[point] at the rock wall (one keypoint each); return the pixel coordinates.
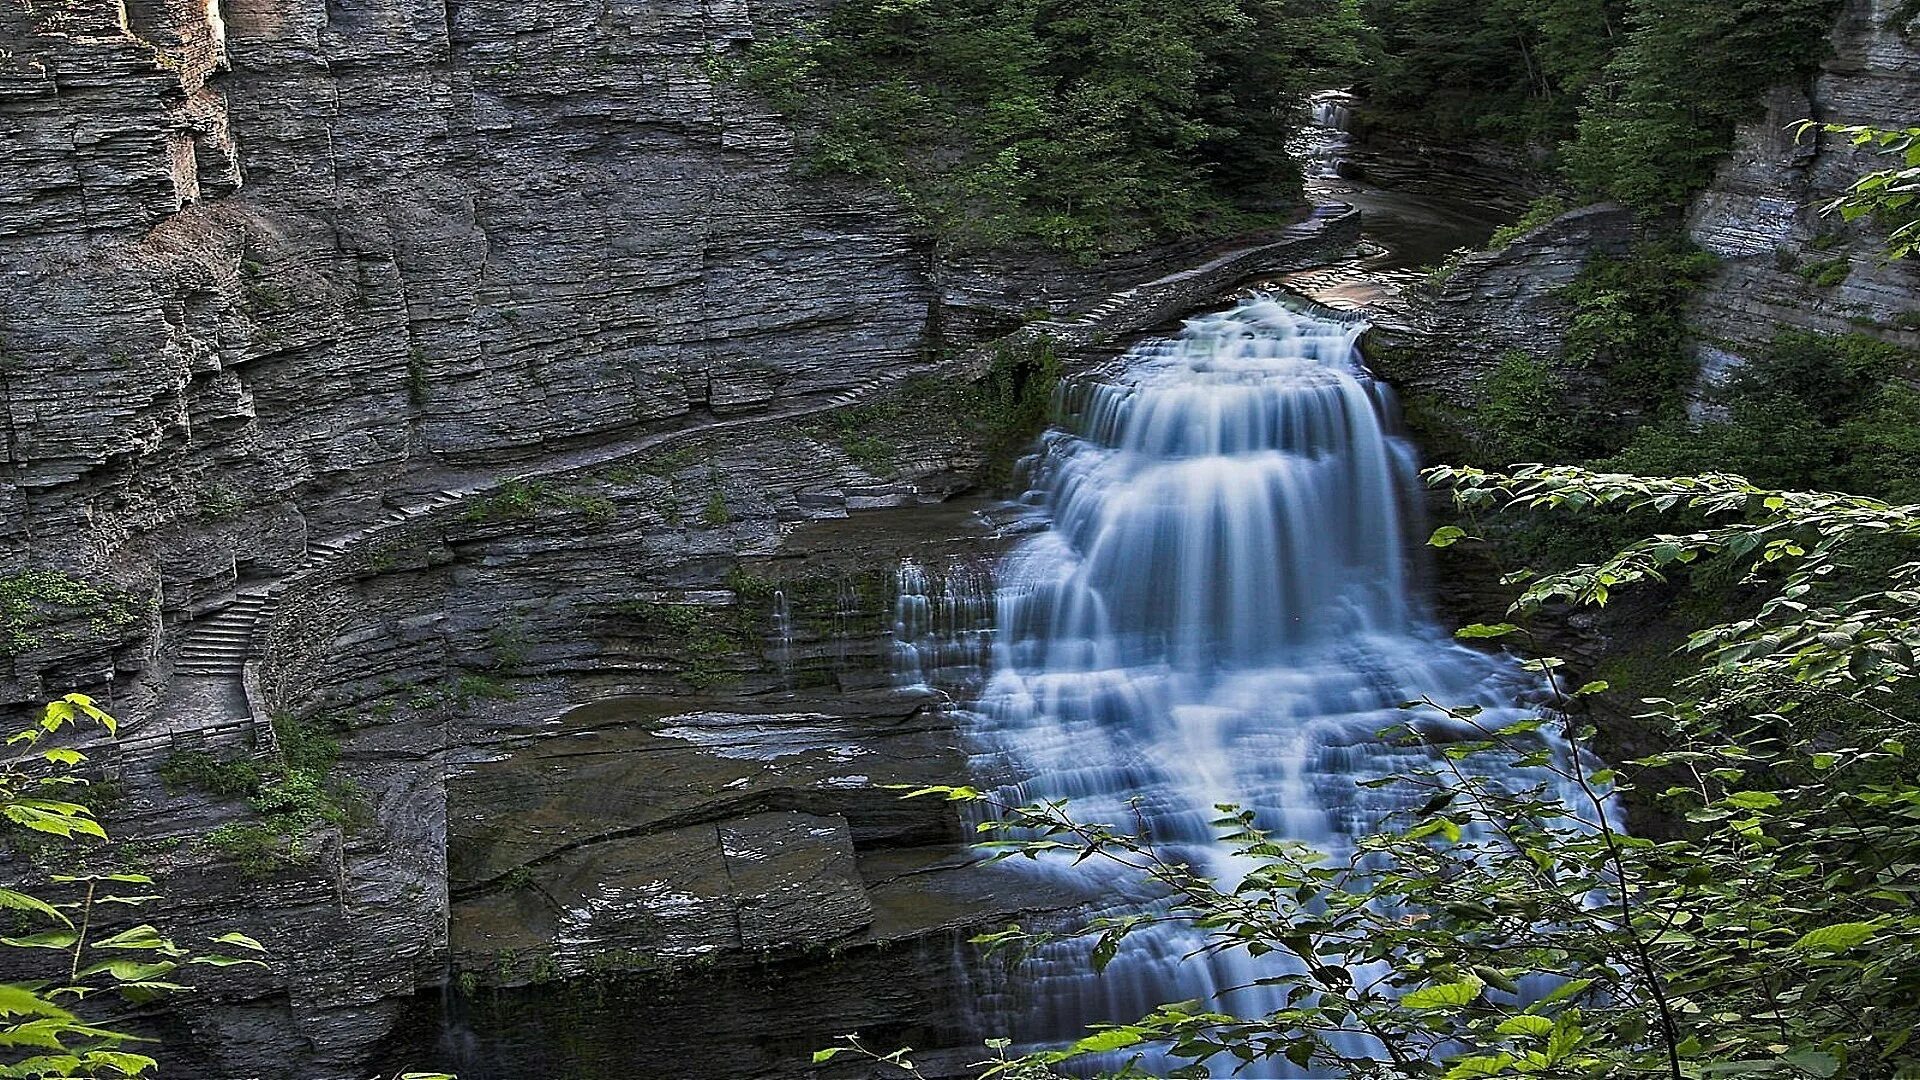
(1784, 263)
(421, 373)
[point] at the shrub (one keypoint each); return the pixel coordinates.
(1541, 212)
(293, 792)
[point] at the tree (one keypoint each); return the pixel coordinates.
(1503, 928)
(1085, 126)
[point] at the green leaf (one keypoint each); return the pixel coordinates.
(1101, 1042)
(17, 1000)
(1817, 1062)
(123, 1063)
(1447, 536)
(1481, 1065)
(1570, 989)
(241, 940)
(828, 1054)
(130, 970)
(19, 901)
(143, 936)
(1754, 800)
(1444, 996)
(52, 939)
(1535, 1026)
(1481, 631)
(225, 961)
(1837, 938)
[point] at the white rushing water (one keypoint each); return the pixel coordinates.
(1221, 609)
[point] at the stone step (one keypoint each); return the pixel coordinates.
(219, 640)
(216, 646)
(219, 650)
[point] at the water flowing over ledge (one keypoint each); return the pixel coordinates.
(1217, 605)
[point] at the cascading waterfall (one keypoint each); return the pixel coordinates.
(942, 625)
(1218, 611)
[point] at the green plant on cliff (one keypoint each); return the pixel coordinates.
(1628, 362)
(293, 792)
(1540, 212)
(1809, 410)
(1501, 923)
(79, 943)
(1001, 412)
(1087, 127)
(42, 606)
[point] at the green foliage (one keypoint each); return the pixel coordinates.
(88, 950)
(701, 639)
(217, 502)
(522, 500)
(39, 606)
(716, 515)
(1687, 71)
(1001, 412)
(515, 500)
(1811, 411)
(1890, 195)
(1088, 127)
(416, 377)
(226, 778)
(293, 792)
(1511, 70)
(1494, 928)
(1825, 273)
(1629, 325)
(1628, 361)
(1521, 414)
(1540, 212)
(1640, 96)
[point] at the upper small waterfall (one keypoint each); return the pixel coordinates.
(1218, 609)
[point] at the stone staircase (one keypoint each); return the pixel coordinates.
(217, 645)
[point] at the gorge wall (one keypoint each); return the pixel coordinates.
(1782, 263)
(384, 381)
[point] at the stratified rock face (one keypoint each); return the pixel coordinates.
(425, 371)
(1785, 264)
(467, 234)
(1443, 341)
(272, 268)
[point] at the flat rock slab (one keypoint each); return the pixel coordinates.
(658, 901)
(628, 840)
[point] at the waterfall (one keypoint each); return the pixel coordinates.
(942, 623)
(1322, 142)
(1215, 607)
(783, 637)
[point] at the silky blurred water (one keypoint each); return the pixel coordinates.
(1219, 609)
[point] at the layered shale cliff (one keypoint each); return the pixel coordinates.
(472, 459)
(1782, 263)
